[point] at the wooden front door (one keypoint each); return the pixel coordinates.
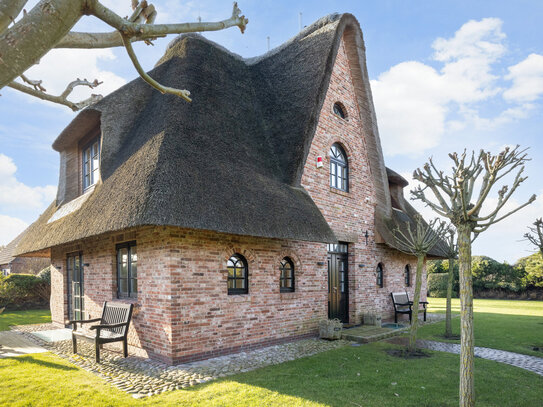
(74, 269)
(338, 304)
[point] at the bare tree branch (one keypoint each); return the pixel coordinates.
(185, 94)
(62, 98)
(536, 234)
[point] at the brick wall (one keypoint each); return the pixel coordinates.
(183, 308)
(351, 213)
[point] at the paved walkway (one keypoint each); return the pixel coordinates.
(531, 363)
(15, 344)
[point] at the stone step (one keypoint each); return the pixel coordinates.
(366, 334)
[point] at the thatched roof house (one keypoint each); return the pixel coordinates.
(235, 168)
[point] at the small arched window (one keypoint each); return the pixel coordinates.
(339, 171)
(339, 110)
(238, 280)
(286, 278)
(380, 277)
(407, 275)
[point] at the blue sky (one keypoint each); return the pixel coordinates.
(446, 75)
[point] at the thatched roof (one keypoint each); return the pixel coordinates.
(7, 254)
(230, 161)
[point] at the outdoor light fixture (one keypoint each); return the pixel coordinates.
(320, 263)
(366, 235)
(361, 266)
(86, 264)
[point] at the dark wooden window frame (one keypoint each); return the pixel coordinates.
(380, 275)
(339, 168)
(130, 293)
(286, 265)
(339, 110)
(407, 275)
(91, 154)
(239, 264)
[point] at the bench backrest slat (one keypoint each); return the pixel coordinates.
(400, 298)
(117, 313)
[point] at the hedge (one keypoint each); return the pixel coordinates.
(24, 290)
(437, 285)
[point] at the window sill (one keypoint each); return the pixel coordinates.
(340, 192)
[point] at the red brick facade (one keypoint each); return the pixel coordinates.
(183, 311)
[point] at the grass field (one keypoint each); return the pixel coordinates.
(349, 376)
(516, 326)
(9, 318)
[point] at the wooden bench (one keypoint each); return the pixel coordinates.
(112, 327)
(402, 305)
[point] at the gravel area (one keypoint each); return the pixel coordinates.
(143, 377)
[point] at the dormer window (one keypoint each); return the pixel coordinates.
(91, 164)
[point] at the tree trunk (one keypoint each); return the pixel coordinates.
(23, 44)
(466, 314)
(448, 327)
(416, 298)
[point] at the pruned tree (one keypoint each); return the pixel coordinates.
(535, 236)
(47, 25)
(452, 254)
(418, 240)
(454, 197)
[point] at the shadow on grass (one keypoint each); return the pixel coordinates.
(31, 360)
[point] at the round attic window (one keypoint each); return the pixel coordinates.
(339, 110)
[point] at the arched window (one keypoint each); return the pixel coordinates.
(238, 281)
(380, 277)
(407, 275)
(339, 171)
(286, 279)
(339, 110)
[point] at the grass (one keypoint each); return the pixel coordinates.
(514, 326)
(9, 318)
(348, 376)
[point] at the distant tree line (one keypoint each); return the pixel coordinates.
(491, 278)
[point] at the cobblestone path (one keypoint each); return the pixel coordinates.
(531, 363)
(144, 377)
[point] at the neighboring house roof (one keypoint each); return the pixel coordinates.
(230, 161)
(7, 254)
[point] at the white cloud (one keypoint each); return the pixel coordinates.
(417, 104)
(61, 66)
(9, 228)
(16, 195)
(527, 77)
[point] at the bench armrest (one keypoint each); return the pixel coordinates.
(423, 302)
(74, 322)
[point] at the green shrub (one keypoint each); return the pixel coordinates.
(45, 274)
(20, 290)
(437, 285)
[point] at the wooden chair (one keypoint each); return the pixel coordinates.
(112, 327)
(402, 305)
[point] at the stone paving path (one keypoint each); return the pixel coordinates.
(143, 377)
(527, 362)
(15, 344)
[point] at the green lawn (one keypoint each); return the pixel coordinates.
(515, 326)
(8, 318)
(349, 376)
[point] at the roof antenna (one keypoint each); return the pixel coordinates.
(268, 38)
(300, 20)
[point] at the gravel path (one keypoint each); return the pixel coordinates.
(531, 363)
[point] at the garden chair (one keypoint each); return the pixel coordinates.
(402, 305)
(112, 327)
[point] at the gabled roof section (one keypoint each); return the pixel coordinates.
(7, 254)
(230, 161)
